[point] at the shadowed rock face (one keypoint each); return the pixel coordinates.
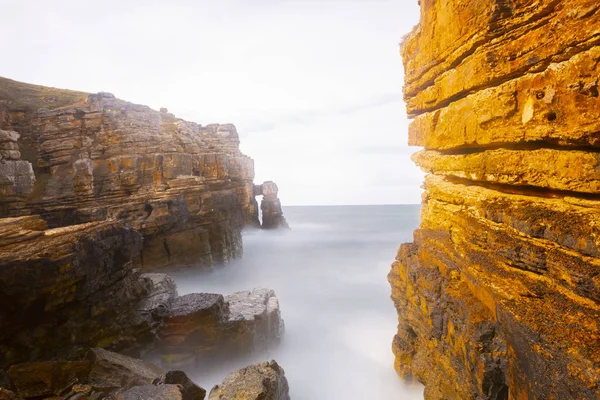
(185, 187)
(70, 288)
(498, 296)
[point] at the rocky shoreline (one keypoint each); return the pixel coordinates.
(97, 196)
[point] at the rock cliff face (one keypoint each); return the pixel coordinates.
(186, 188)
(94, 190)
(499, 295)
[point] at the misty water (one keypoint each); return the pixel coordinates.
(330, 275)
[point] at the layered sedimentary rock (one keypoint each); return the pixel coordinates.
(16, 175)
(185, 187)
(270, 206)
(499, 296)
(70, 288)
(67, 289)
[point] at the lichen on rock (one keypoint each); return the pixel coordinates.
(498, 295)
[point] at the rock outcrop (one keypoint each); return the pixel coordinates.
(186, 188)
(204, 326)
(264, 381)
(270, 205)
(66, 289)
(499, 295)
(93, 192)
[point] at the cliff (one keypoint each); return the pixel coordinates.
(76, 158)
(95, 190)
(498, 296)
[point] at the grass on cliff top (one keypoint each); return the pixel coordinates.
(27, 96)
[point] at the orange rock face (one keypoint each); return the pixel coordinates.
(498, 297)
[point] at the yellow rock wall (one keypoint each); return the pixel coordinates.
(498, 297)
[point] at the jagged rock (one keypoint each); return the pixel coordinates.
(190, 391)
(112, 371)
(203, 325)
(186, 188)
(497, 297)
(44, 379)
(152, 392)
(272, 215)
(264, 381)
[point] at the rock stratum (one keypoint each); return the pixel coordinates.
(498, 297)
(77, 158)
(97, 196)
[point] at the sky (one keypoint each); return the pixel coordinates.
(314, 87)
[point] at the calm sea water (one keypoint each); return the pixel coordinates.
(330, 275)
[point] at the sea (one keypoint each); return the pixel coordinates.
(329, 272)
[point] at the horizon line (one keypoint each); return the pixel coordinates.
(350, 205)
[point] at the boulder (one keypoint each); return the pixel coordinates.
(112, 371)
(259, 310)
(203, 325)
(263, 381)
(152, 392)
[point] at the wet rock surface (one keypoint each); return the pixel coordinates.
(264, 381)
(497, 297)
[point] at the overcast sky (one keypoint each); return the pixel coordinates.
(313, 86)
